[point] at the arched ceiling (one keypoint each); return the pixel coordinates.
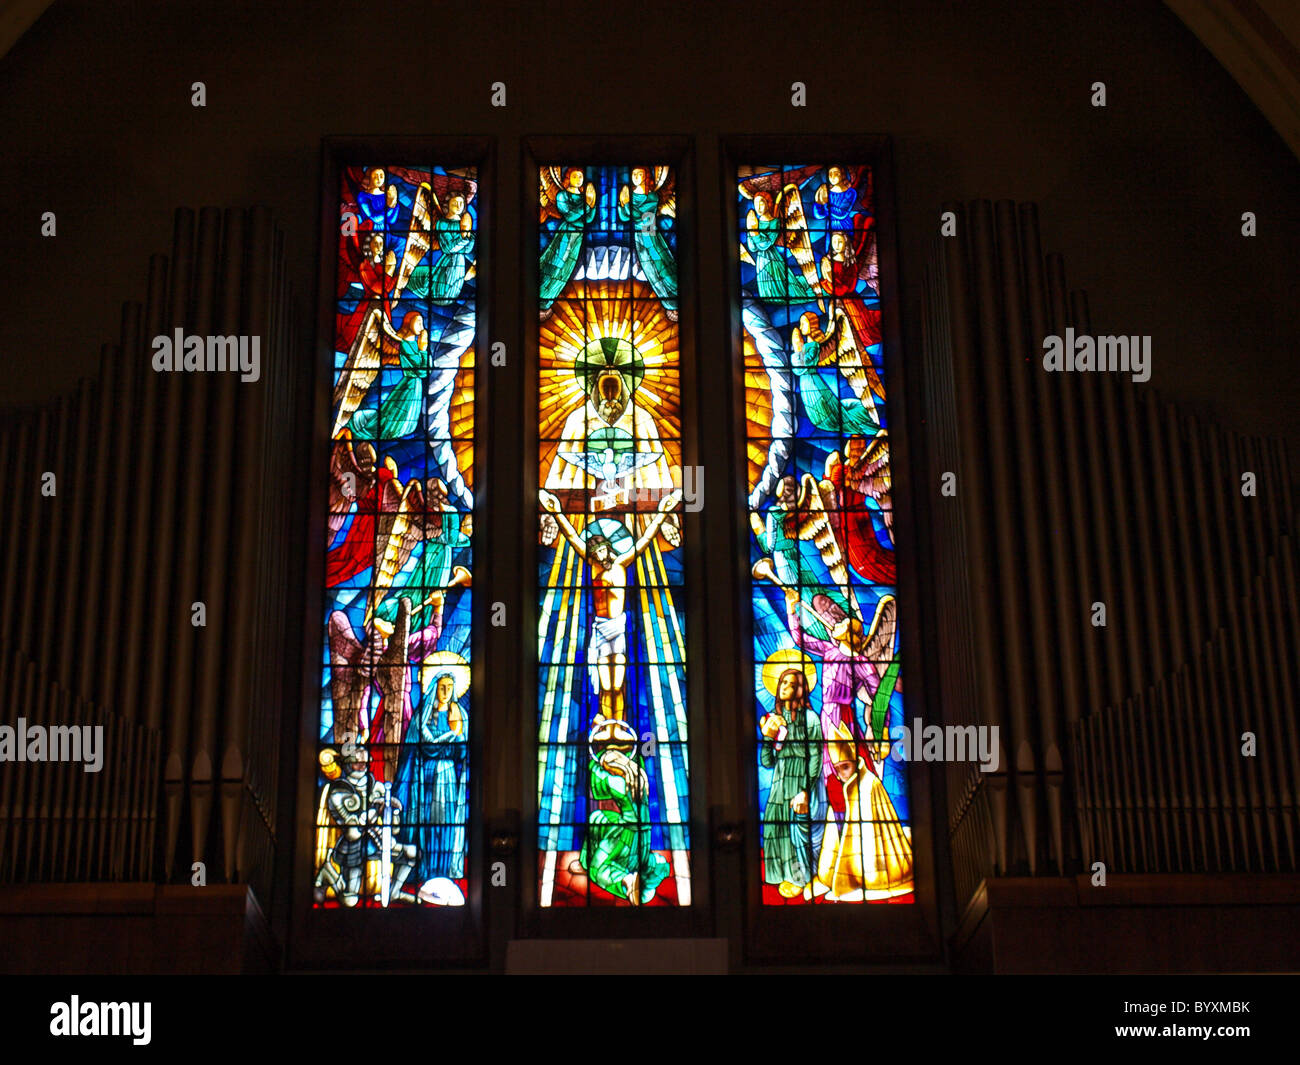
(1258, 43)
(16, 16)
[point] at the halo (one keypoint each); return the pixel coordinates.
(784, 658)
(617, 353)
(440, 662)
(613, 531)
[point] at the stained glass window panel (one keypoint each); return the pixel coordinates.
(612, 782)
(827, 691)
(393, 782)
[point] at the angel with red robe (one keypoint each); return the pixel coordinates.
(861, 483)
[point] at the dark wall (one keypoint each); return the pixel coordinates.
(1144, 197)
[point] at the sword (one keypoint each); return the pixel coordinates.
(386, 851)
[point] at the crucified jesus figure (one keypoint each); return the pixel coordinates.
(607, 651)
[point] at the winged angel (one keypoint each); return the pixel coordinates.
(797, 533)
(563, 198)
(775, 223)
(651, 196)
(845, 201)
(404, 611)
(815, 357)
(440, 220)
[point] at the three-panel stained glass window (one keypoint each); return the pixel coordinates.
(612, 778)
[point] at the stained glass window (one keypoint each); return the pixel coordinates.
(393, 784)
(612, 782)
(833, 803)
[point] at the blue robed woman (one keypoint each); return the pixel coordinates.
(432, 782)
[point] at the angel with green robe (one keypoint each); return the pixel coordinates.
(399, 411)
(453, 235)
(425, 521)
(652, 194)
(574, 207)
(775, 223)
(818, 360)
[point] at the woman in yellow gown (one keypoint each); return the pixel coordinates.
(870, 855)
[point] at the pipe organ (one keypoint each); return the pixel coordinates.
(1118, 576)
(144, 581)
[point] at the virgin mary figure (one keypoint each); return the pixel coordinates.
(431, 784)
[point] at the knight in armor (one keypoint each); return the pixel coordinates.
(368, 819)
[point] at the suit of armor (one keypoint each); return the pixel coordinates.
(357, 804)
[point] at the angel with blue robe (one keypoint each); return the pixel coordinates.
(841, 197)
(376, 205)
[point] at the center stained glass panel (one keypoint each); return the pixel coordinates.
(612, 778)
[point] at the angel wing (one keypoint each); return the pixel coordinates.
(868, 261)
(745, 257)
(860, 179)
(816, 506)
(421, 237)
(795, 237)
(360, 369)
(552, 184)
(399, 527)
(871, 476)
(772, 180)
(352, 477)
(857, 370)
(665, 183)
(393, 679)
(350, 675)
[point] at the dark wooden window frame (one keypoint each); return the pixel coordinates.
(867, 933)
(625, 922)
(414, 936)
(723, 807)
